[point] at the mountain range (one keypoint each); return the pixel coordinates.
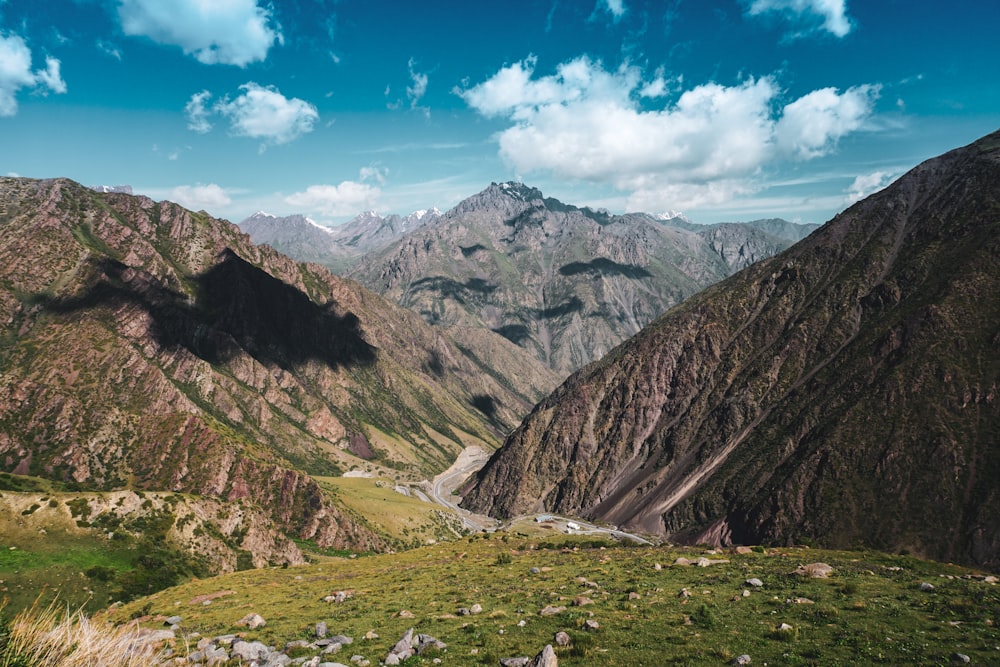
(566, 283)
(145, 346)
(843, 392)
(337, 248)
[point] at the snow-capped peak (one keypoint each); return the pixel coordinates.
(672, 215)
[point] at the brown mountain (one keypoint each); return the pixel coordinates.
(145, 346)
(566, 283)
(844, 391)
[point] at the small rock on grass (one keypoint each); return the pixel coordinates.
(741, 660)
(562, 639)
(252, 621)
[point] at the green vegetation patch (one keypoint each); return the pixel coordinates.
(872, 609)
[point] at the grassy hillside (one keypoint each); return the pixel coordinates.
(872, 608)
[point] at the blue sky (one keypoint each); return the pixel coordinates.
(723, 110)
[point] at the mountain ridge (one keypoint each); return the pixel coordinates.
(564, 282)
(146, 346)
(746, 414)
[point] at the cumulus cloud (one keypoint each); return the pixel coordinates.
(586, 123)
(332, 201)
(16, 73)
(811, 125)
(233, 32)
(867, 184)
(264, 113)
(201, 197)
(832, 13)
(260, 112)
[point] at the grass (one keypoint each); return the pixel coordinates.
(407, 521)
(52, 637)
(871, 610)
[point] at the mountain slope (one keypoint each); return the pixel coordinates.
(146, 346)
(843, 391)
(566, 283)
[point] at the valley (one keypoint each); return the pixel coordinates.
(193, 426)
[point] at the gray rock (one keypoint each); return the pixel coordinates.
(591, 624)
(249, 650)
(405, 643)
(215, 656)
(755, 582)
(476, 609)
(926, 587)
(343, 640)
(174, 620)
(547, 658)
(520, 661)
(561, 639)
(535, 570)
(550, 610)
(960, 659)
(320, 630)
(741, 660)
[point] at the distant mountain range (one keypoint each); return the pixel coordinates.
(844, 391)
(145, 346)
(566, 283)
(337, 248)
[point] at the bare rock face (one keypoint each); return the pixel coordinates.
(568, 284)
(146, 346)
(844, 390)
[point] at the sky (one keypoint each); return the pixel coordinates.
(720, 109)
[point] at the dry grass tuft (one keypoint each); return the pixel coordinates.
(53, 637)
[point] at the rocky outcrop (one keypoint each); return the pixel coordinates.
(146, 346)
(843, 391)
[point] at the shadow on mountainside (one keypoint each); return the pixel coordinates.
(237, 308)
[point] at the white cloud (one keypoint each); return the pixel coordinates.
(261, 112)
(332, 201)
(198, 113)
(264, 113)
(15, 73)
(419, 87)
(867, 184)
(201, 197)
(710, 145)
(228, 32)
(811, 125)
(832, 12)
